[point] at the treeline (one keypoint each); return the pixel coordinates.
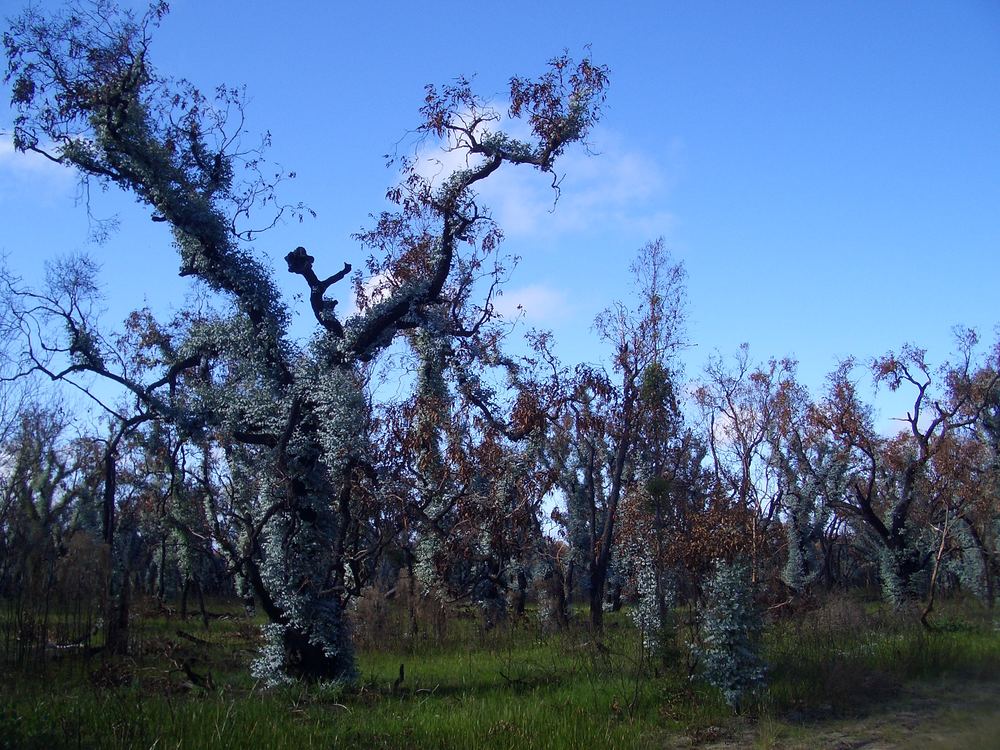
(236, 458)
(604, 485)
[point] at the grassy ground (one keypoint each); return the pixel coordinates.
(847, 676)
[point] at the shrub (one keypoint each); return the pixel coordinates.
(729, 653)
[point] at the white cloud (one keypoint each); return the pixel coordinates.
(375, 289)
(436, 166)
(435, 162)
(31, 171)
(615, 185)
(538, 303)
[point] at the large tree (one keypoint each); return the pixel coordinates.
(293, 420)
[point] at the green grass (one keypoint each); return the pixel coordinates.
(508, 688)
(822, 670)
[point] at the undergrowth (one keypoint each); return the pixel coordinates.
(510, 687)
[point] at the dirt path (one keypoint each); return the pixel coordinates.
(948, 715)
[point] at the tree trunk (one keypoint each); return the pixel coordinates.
(116, 639)
(561, 604)
(929, 607)
(411, 595)
(597, 580)
(201, 604)
(296, 582)
(570, 580)
(521, 595)
(305, 660)
(116, 628)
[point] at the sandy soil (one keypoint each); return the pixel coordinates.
(948, 715)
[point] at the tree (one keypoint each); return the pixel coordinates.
(466, 452)
(982, 521)
(813, 477)
(597, 467)
(293, 420)
(900, 486)
(743, 405)
(731, 629)
(657, 510)
(48, 498)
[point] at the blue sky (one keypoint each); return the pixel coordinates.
(829, 173)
